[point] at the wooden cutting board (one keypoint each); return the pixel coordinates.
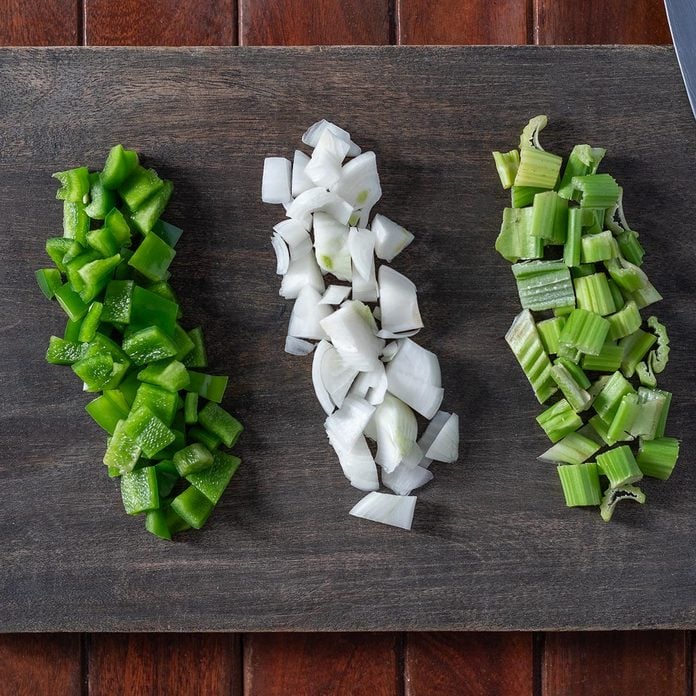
(492, 546)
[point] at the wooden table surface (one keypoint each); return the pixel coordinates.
(656, 663)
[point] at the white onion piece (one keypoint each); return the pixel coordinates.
(398, 302)
(396, 429)
(300, 181)
(417, 361)
(428, 437)
(324, 168)
(364, 217)
(331, 246)
(313, 133)
(336, 376)
(395, 510)
(320, 199)
(359, 466)
(371, 386)
(345, 425)
(366, 289)
(298, 346)
(370, 431)
(377, 314)
(335, 294)
(275, 184)
(305, 219)
(405, 479)
(282, 254)
(423, 397)
(301, 272)
(351, 330)
(319, 389)
(361, 245)
(390, 351)
(414, 456)
(295, 235)
(445, 447)
(307, 314)
(382, 333)
(359, 182)
(390, 238)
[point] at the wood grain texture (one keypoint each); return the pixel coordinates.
(492, 546)
(620, 664)
(456, 22)
(469, 664)
(312, 664)
(40, 665)
(44, 23)
(601, 22)
(160, 23)
(160, 665)
(313, 22)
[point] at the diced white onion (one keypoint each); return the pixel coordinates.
(335, 294)
(423, 397)
(301, 272)
(428, 437)
(398, 302)
(371, 386)
(361, 245)
(395, 510)
(300, 181)
(282, 254)
(414, 456)
(337, 376)
(307, 314)
(275, 185)
(295, 236)
(320, 199)
(405, 479)
(359, 183)
(359, 466)
(324, 168)
(345, 425)
(366, 289)
(313, 133)
(390, 238)
(331, 246)
(383, 333)
(298, 346)
(396, 429)
(319, 389)
(417, 361)
(390, 351)
(445, 447)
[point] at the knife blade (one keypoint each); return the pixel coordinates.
(681, 15)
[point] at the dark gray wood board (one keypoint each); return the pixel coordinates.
(492, 547)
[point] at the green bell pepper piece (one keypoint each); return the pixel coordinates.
(179, 442)
(193, 507)
(167, 476)
(120, 164)
(103, 241)
(148, 213)
(95, 369)
(75, 221)
(96, 275)
(213, 481)
(152, 257)
(116, 223)
(211, 387)
(139, 186)
(118, 301)
(110, 346)
(156, 523)
(122, 451)
(205, 437)
(90, 322)
(195, 457)
(139, 490)
(183, 342)
(191, 408)
(62, 352)
(197, 356)
(74, 265)
(148, 431)
(160, 401)
(129, 388)
(218, 421)
(168, 374)
(71, 302)
(174, 522)
(102, 199)
(117, 374)
(49, 280)
(164, 290)
(107, 410)
(72, 330)
(167, 232)
(56, 248)
(74, 185)
(74, 250)
(149, 345)
(151, 309)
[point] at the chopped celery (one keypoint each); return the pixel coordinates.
(538, 168)
(572, 250)
(582, 160)
(613, 495)
(597, 190)
(657, 359)
(550, 217)
(543, 284)
(624, 322)
(631, 249)
(507, 163)
(574, 448)
(580, 483)
(657, 458)
(593, 294)
(585, 331)
(522, 196)
(608, 360)
(549, 332)
(619, 466)
(624, 418)
(515, 240)
(559, 420)
(607, 401)
(651, 403)
(575, 395)
(598, 247)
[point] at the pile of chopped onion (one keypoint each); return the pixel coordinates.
(369, 376)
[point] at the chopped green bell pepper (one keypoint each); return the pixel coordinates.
(195, 457)
(74, 185)
(148, 431)
(218, 421)
(184, 344)
(116, 223)
(71, 302)
(191, 407)
(156, 523)
(49, 280)
(75, 221)
(120, 164)
(56, 248)
(139, 490)
(103, 241)
(168, 374)
(149, 345)
(193, 507)
(160, 401)
(152, 257)
(90, 322)
(151, 309)
(96, 275)
(123, 451)
(118, 301)
(197, 356)
(211, 387)
(148, 213)
(102, 199)
(205, 437)
(139, 186)
(107, 410)
(213, 481)
(62, 352)
(167, 476)
(168, 232)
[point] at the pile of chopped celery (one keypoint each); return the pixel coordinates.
(369, 376)
(580, 335)
(123, 339)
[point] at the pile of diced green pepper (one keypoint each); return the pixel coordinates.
(123, 339)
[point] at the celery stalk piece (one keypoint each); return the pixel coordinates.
(619, 466)
(613, 495)
(572, 250)
(549, 332)
(592, 220)
(597, 190)
(529, 137)
(619, 300)
(607, 401)
(538, 168)
(635, 347)
(574, 448)
(625, 416)
(598, 247)
(660, 429)
(515, 240)
(593, 294)
(575, 370)
(550, 217)
(584, 269)
(651, 403)
(631, 249)
(657, 458)
(580, 484)
(524, 341)
(559, 420)
(608, 360)
(625, 322)
(507, 163)
(563, 311)
(602, 430)
(582, 160)
(522, 196)
(585, 331)
(575, 395)
(611, 223)
(657, 359)
(543, 284)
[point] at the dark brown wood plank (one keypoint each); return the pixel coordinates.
(160, 23)
(40, 665)
(163, 664)
(469, 664)
(620, 664)
(313, 22)
(456, 22)
(44, 23)
(314, 664)
(601, 22)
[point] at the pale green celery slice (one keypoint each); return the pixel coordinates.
(611, 223)
(549, 332)
(599, 384)
(576, 396)
(559, 420)
(597, 190)
(530, 133)
(625, 416)
(613, 495)
(575, 370)
(521, 196)
(598, 247)
(574, 448)
(607, 401)
(619, 300)
(657, 458)
(631, 249)
(580, 484)
(602, 430)
(507, 163)
(635, 347)
(632, 281)
(538, 168)
(550, 217)
(592, 220)
(658, 358)
(582, 160)
(619, 466)
(515, 241)
(524, 341)
(646, 295)
(543, 284)
(608, 360)
(624, 322)
(584, 269)
(572, 250)
(651, 403)
(660, 430)
(593, 294)
(585, 331)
